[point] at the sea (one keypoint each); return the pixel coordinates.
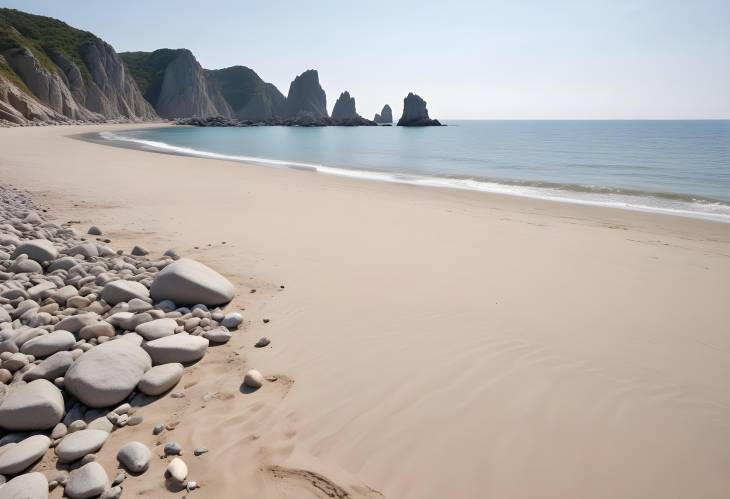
(678, 167)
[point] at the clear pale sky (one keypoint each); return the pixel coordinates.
(468, 59)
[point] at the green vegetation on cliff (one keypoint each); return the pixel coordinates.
(43, 36)
(148, 70)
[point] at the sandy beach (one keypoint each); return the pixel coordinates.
(428, 343)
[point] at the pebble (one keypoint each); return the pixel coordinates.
(94, 231)
(112, 493)
(159, 428)
(74, 446)
(119, 478)
(253, 379)
(172, 449)
(199, 451)
(90, 480)
(28, 486)
(262, 342)
(18, 457)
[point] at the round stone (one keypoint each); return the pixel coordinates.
(43, 346)
(253, 379)
(160, 378)
(37, 405)
(76, 445)
(90, 480)
(20, 456)
(187, 282)
(123, 290)
(158, 328)
(181, 347)
(177, 470)
(134, 456)
(28, 486)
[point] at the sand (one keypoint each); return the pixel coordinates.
(429, 343)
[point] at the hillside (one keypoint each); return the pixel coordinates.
(250, 97)
(50, 71)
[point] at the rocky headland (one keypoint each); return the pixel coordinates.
(89, 335)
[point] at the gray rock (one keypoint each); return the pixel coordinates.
(217, 335)
(107, 374)
(59, 431)
(232, 320)
(119, 478)
(15, 362)
(187, 282)
(101, 423)
(21, 455)
(90, 480)
(76, 445)
(385, 116)
(123, 290)
(134, 457)
(139, 251)
(75, 323)
(160, 379)
(29, 486)
(181, 348)
(262, 342)
(172, 449)
(43, 346)
(37, 405)
(94, 231)
(159, 428)
(306, 97)
(97, 330)
(112, 493)
(155, 329)
(199, 451)
(344, 107)
(39, 250)
(25, 266)
(51, 368)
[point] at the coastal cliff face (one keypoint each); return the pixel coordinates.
(176, 85)
(52, 72)
(250, 97)
(415, 112)
(345, 107)
(306, 97)
(385, 116)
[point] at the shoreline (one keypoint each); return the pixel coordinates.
(687, 206)
(438, 343)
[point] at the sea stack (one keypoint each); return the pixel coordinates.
(415, 112)
(306, 97)
(345, 107)
(385, 116)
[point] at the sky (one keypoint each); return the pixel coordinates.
(480, 59)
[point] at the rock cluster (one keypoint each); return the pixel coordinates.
(85, 333)
(415, 112)
(303, 121)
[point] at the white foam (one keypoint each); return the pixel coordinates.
(707, 211)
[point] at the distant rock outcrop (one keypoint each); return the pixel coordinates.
(415, 112)
(385, 116)
(52, 72)
(345, 107)
(250, 97)
(306, 97)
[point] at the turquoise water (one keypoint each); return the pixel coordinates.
(679, 167)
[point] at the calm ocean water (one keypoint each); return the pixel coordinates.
(679, 167)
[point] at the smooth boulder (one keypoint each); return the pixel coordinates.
(107, 374)
(40, 250)
(48, 344)
(90, 480)
(134, 457)
(29, 486)
(187, 282)
(158, 328)
(76, 445)
(51, 368)
(37, 405)
(122, 290)
(181, 348)
(21, 455)
(160, 378)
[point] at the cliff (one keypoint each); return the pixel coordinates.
(385, 116)
(52, 72)
(345, 107)
(176, 85)
(415, 112)
(306, 97)
(250, 97)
